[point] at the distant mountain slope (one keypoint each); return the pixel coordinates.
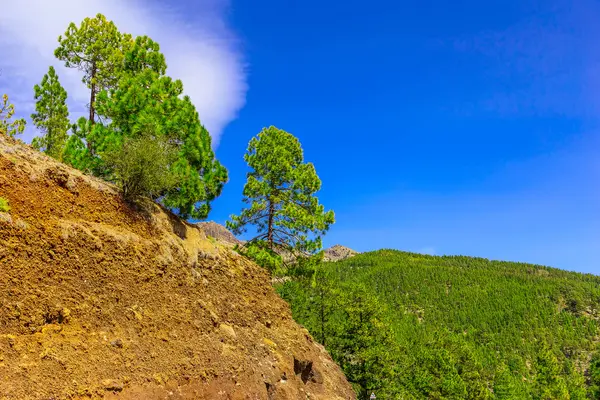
(338, 252)
(463, 327)
(100, 301)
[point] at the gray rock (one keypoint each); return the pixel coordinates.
(338, 252)
(219, 232)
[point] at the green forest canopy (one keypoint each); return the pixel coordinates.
(461, 327)
(133, 103)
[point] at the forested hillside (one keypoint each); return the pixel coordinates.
(414, 326)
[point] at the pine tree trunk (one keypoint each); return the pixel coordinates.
(364, 381)
(50, 128)
(322, 316)
(270, 231)
(92, 100)
(93, 94)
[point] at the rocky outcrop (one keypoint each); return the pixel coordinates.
(222, 235)
(99, 301)
(217, 231)
(338, 252)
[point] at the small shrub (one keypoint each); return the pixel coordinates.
(142, 167)
(4, 207)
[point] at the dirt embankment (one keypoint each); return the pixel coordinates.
(97, 300)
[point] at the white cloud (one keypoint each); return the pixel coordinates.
(199, 47)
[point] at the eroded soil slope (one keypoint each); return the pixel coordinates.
(97, 300)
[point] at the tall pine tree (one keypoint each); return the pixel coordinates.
(136, 103)
(96, 47)
(594, 376)
(280, 193)
(506, 386)
(549, 382)
(146, 103)
(51, 116)
(362, 343)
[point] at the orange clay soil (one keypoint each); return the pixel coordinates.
(100, 301)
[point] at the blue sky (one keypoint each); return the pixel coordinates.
(441, 127)
(461, 127)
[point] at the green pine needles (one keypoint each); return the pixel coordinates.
(51, 116)
(138, 116)
(8, 126)
(423, 327)
(95, 47)
(280, 194)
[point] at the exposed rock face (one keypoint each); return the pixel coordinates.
(224, 236)
(218, 232)
(98, 301)
(338, 252)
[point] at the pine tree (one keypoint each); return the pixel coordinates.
(323, 297)
(594, 377)
(147, 103)
(51, 116)
(362, 343)
(280, 193)
(505, 385)
(96, 47)
(7, 125)
(76, 153)
(137, 102)
(549, 384)
(575, 381)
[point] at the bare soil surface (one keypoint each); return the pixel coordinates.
(98, 300)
